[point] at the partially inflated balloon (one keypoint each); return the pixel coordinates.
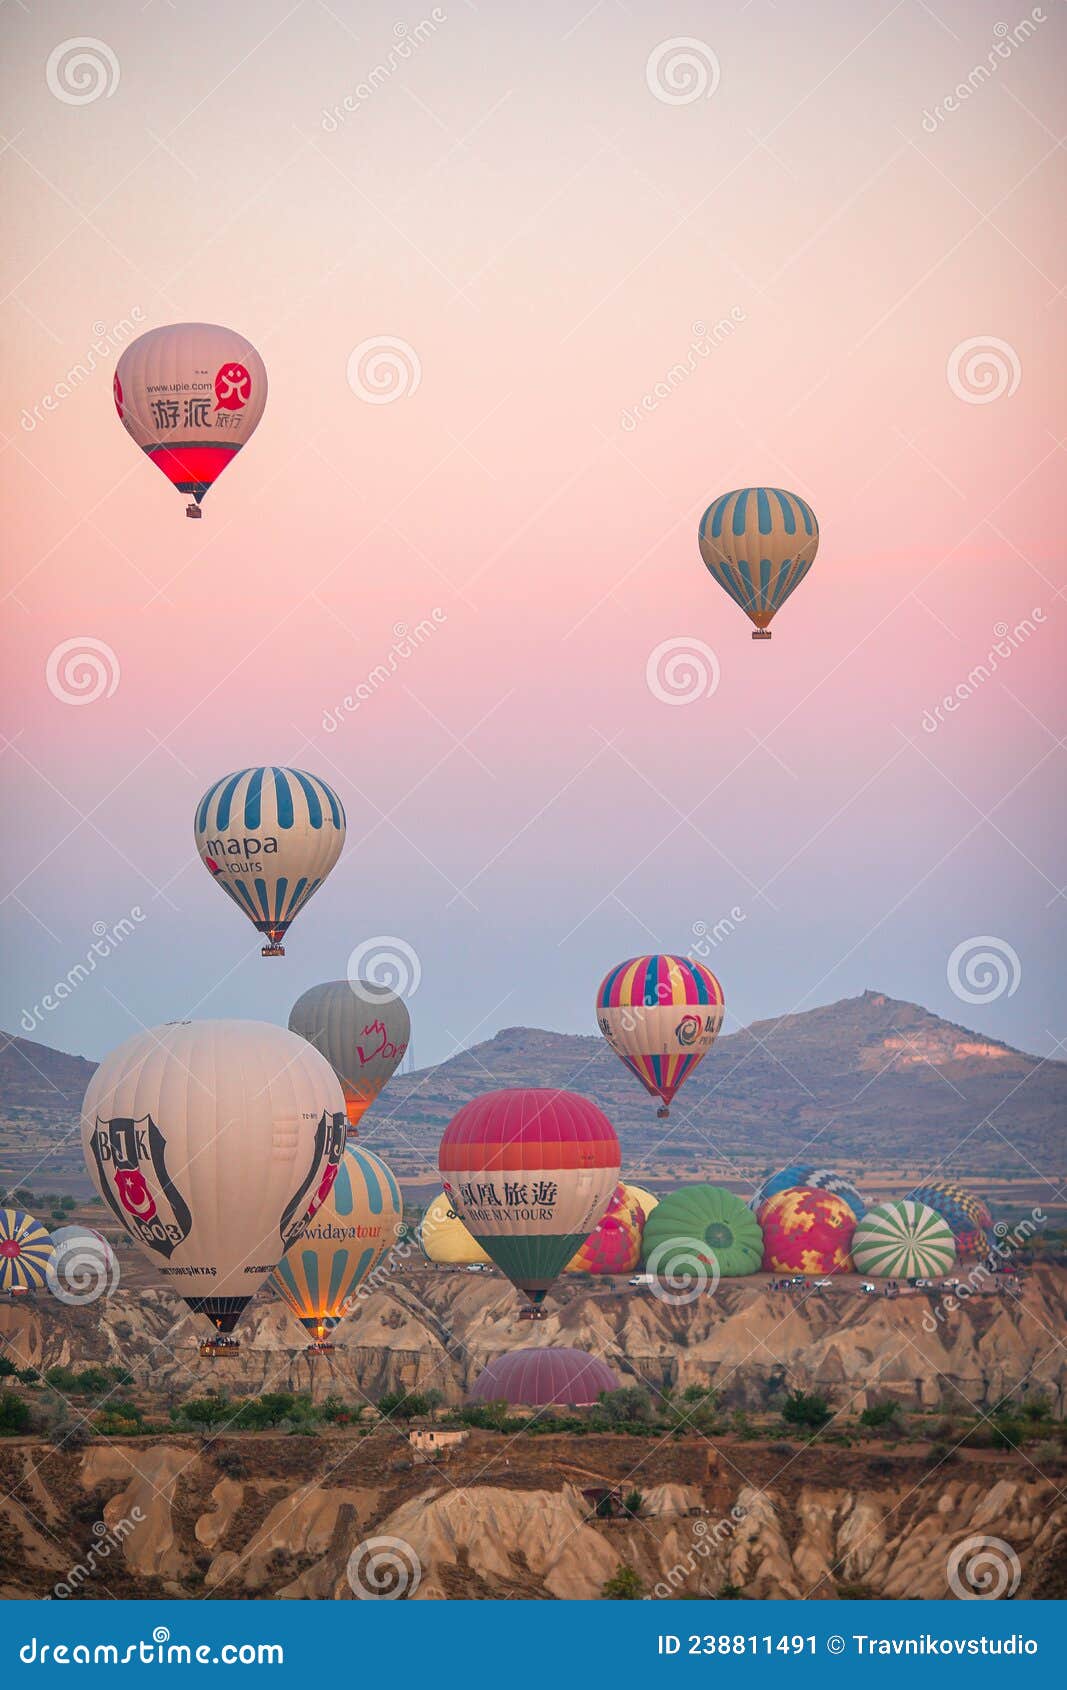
(966, 1214)
(637, 1196)
(759, 544)
(269, 837)
(320, 1275)
(444, 1238)
(361, 1030)
(212, 1142)
(661, 1015)
(614, 1245)
(702, 1226)
(530, 1173)
(190, 395)
(25, 1252)
(903, 1240)
(807, 1231)
(817, 1179)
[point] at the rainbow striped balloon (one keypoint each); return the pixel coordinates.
(269, 837)
(660, 1015)
(345, 1240)
(759, 544)
(25, 1251)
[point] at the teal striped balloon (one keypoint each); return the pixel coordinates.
(903, 1240)
(346, 1239)
(759, 543)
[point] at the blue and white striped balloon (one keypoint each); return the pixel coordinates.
(269, 837)
(320, 1275)
(759, 543)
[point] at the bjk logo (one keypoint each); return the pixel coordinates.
(233, 388)
(131, 1165)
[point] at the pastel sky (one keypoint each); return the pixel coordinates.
(549, 211)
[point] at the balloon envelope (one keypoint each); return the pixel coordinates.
(190, 395)
(966, 1214)
(25, 1251)
(543, 1378)
(83, 1265)
(350, 1233)
(614, 1245)
(807, 1231)
(904, 1240)
(445, 1239)
(269, 837)
(660, 1015)
(817, 1179)
(530, 1172)
(361, 1030)
(759, 544)
(701, 1226)
(212, 1142)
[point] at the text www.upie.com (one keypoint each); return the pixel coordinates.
(155, 1651)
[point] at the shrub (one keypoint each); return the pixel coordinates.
(8, 1370)
(14, 1414)
(632, 1503)
(403, 1405)
(806, 1408)
(878, 1414)
(629, 1404)
(623, 1585)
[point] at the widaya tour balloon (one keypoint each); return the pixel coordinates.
(321, 1273)
(759, 544)
(190, 395)
(660, 1015)
(530, 1173)
(269, 837)
(25, 1252)
(212, 1143)
(361, 1030)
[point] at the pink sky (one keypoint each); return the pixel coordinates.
(515, 203)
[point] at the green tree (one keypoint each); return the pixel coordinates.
(806, 1408)
(14, 1414)
(623, 1585)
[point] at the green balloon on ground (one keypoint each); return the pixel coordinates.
(904, 1240)
(701, 1226)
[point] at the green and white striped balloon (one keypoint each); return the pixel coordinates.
(903, 1240)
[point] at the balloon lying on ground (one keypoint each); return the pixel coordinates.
(269, 837)
(83, 1266)
(660, 1015)
(544, 1378)
(353, 1229)
(903, 1240)
(966, 1214)
(700, 1228)
(530, 1172)
(212, 1142)
(445, 1240)
(806, 1231)
(614, 1245)
(25, 1252)
(817, 1179)
(361, 1030)
(759, 543)
(190, 395)
(639, 1197)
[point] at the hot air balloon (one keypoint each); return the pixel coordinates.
(212, 1142)
(190, 395)
(83, 1265)
(269, 837)
(530, 1172)
(966, 1214)
(320, 1274)
(661, 1015)
(361, 1030)
(702, 1226)
(759, 543)
(25, 1252)
(818, 1179)
(544, 1379)
(445, 1240)
(903, 1240)
(614, 1245)
(637, 1195)
(807, 1231)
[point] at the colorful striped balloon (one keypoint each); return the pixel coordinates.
(759, 544)
(269, 837)
(660, 1015)
(904, 1240)
(320, 1274)
(530, 1173)
(818, 1179)
(25, 1252)
(966, 1214)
